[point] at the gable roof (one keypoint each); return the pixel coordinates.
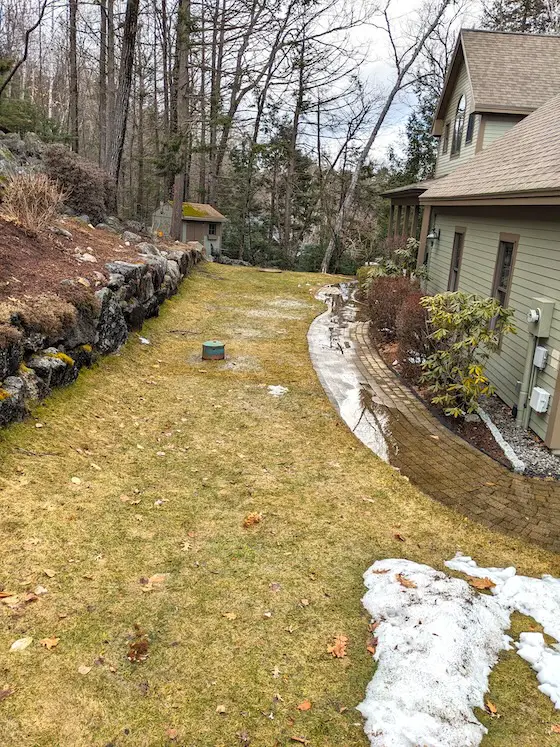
(509, 73)
(201, 211)
(522, 164)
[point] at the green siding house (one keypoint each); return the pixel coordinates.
(491, 214)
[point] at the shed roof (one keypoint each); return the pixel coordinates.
(525, 162)
(201, 211)
(509, 72)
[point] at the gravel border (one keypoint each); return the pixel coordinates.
(528, 447)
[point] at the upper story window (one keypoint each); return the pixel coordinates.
(470, 128)
(445, 144)
(459, 125)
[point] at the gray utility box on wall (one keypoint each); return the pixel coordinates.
(541, 327)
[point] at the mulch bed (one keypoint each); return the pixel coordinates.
(31, 264)
(476, 434)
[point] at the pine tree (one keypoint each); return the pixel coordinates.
(525, 16)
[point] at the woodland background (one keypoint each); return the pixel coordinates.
(267, 109)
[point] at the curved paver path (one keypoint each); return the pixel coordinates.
(403, 432)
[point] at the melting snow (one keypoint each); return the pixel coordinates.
(538, 598)
(277, 390)
(437, 644)
(437, 641)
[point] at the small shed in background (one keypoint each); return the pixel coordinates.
(200, 222)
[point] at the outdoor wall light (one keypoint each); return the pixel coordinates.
(433, 236)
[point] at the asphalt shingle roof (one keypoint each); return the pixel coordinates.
(525, 159)
(509, 71)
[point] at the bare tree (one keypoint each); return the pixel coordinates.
(404, 62)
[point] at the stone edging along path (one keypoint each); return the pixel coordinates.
(33, 364)
(386, 416)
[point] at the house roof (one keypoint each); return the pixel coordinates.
(509, 72)
(200, 211)
(524, 163)
(408, 189)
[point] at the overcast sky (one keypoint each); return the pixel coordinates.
(379, 72)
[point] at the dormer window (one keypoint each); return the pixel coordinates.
(459, 125)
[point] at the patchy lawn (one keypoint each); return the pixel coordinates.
(169, 455)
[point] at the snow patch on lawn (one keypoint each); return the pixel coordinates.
(437, 644)
(538, 598)
(277, 391)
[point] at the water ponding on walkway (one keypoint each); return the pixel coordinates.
(333, 356)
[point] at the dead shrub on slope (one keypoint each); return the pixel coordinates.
(47, 314)
(31, 200)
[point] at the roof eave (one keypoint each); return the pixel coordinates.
(530, 197)
(451, 75)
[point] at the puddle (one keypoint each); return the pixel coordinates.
(334, 359)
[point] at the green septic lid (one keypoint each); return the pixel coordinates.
(213, 344)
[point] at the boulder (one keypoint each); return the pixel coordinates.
(62, 232)
(116, 281)
(12, 400)
(111, 327)
(131, 272)
(174, 271)
(54, 367)
(114, 223)
(130, 237)
(34, 146)
(84, 218)
(13, 143)
(134, 226)
(35, 388)
(158, 268)
(10, 358)
(151, 307)
(145, 288)
(134, 313)
(181, 258)
(34, 341)
(83, 332)
(106, 227)
(146, 248)
(83, 355)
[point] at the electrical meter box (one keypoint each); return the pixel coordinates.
(540, 399)
(540, 358)
(545, 307)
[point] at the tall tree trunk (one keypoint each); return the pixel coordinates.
(182, 55)
(122, 101)
(73, 75)
(102, 82)
(110, 123)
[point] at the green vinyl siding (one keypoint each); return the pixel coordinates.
(446, 163)
(536, 272)
(496, 126)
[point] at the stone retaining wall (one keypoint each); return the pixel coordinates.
(33, 364)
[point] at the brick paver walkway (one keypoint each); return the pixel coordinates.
(439, 462)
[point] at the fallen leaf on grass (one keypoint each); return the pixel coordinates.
(338, 649)
(83, 669)
(399, 537)
(304, 602)
(276, 673)
(304, 706)
(21, 644)
(49, 642)
(5, 594)
(251, 519)
(230, 615)
(172, 734)
(406, 582)
(40, 590)
(5, 692)
(555, 729)
(372, 645)
(481, 583)
(76, 481)
(491, 708)
(275, 586)
(301, 740)
(221, 709)
(153, 582)
(380, 571)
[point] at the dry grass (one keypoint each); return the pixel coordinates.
(155, 424)
(32, 200)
